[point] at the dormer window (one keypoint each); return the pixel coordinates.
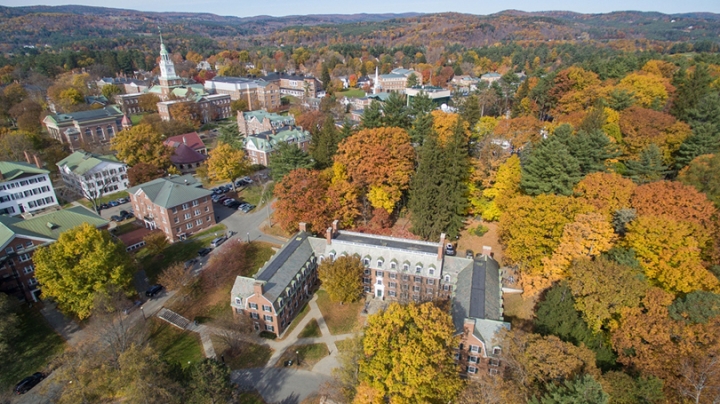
(238, 301)
(447, 278)
(380, 263)
(393, 265)
(418, 269)
(366, 262)
(406, 267)
(431, 271)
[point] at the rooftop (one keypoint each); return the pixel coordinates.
(184, 154)
(387, 242)
(284, 265)
(191, 139)
(477, 294)
(80, 162)
(266, 141)
(111, 111)
(12, 170)
(169, 192)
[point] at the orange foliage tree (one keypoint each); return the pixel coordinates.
(519, 130)
(444, 124)
(379, 161)
(641, 126)
(606, 192)
(302, 197)
(676, 200)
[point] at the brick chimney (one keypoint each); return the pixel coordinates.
(441, 247)
(328, 235)
(487, 251)
(258, 288)
(38, 162)
(335, 226)
(302, 227)
(27, 157)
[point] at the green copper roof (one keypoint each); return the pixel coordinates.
(261, 141)
(90, 115)
(11, 170)
(48, 226)
(169, 192)
(261, 115)
(81, 162)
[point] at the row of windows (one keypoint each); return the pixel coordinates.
(18, 247)
(393, 265)
(41, 202)
(25, 194)
(22, 183)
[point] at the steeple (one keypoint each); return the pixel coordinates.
(167, 67)
(376, 84)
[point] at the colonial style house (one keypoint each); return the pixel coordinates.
(25, 188)
(78, 129)
(93, 175)
(177, 205)
(190, 152)
(253, 122)
(259, 147)
(396, 270)
(208, 107)
(257, 92)
(20, 238)
(396, 81)
(297, 85)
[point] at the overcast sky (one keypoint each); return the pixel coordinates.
(246, 8)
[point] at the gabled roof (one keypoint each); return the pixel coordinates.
(478, 292)
(47, 227)
(169, 192)
(184, 154)
(267, 141)
(261, 115)
(490, 75)
(191, 139)
(281, 269)
(80, 162)
(111, 111)
(13, 170)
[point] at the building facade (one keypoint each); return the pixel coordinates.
(24, 188)
(206, 108)
(252, 122)
(396, 81)
(259, 147)
(78, 129)
(258, 93)
(93, 175)
(177, 205)
(296, 85)
(396, 269)
(20, 238)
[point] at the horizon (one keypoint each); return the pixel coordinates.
(376, 7)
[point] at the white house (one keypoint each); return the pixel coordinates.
(92, 174)
(24, 188)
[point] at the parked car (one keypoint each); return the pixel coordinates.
(117, 218)
(113, 203)
(222, 198)
(228, 201)
(28, 383)
(469, 254)
(216, 197)
(247, 180)
(125, 214)
(103, 206)
(450, 250)
(154, 290)
(240, 183)
(122, 200)
(204, 251)
(216, 191)
(216, 242)
(233, 205)
(247, 208)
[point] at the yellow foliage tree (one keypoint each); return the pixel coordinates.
(606, 192)
(485, 126)
(649, 90)
(506, 186)
(660, 68)
(226, 163)
(141, 144)
(444, 124)
(588, 236)
(342, 278)
(669, 254)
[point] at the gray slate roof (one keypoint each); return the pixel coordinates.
(284, 265)
(169, 192)
(477, 292)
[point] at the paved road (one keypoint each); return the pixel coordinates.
(280, 385)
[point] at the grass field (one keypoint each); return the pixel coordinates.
(352, 93)
(311, 330)
(34, 347)
(105, 199)
(252, 355)
(175, 345)
(340, 318)
(309, 355)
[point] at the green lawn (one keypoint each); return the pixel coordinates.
(311, 330)
(340, 318)
(31, 350)
(352, 93)
(303, 312)
(252, 356)
(105, 199)
(309, 355)
(136, 118)
(250, 398)
(175, 345)
(344, 344)
(124, 228)
(254, 194)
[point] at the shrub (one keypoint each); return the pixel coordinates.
(479, 231)
(267, 335)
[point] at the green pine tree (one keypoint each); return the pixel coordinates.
(705, 139)
(592, 149)
(412, 81)
(550, 169)
(421, 105)
(347, 130)
(286, 158)
(470, 110)
(690, 90)
(372, 116)
(455, 190)
(421, 129)
(324, 144)
(649, 167)
(582, 390)
(424, 200)
(395, 111)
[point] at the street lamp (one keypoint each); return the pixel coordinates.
(248, 237)
(297, 356)
(143, 313)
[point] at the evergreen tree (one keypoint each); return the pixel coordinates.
(592, 149)
(412, 80)
(347, 130)
(421, 129)
(582, 390)
(705, 139)
(421, 105)
(707, 111)
(286, 158)
(324, 144)
(550, 169)
(556, 315)
(372, 117)
(325, 77)
(696, 307)
(621, 99)
(455, 193)
(594, 120)
(396, 112)
(649, 167)
(425, 186)
(470, 110)
(690, 90)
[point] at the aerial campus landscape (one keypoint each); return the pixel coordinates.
(368, 203)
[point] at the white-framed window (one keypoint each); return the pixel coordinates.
(367, 271)
(19, 247)
(185, 206)
(447, 278)
(417, 279)
(380, 263)
(24, 257)
(197, 212)
(379, 274)
(29, 269)
(474, 348)
(431, 281)
(379, 282)
(473, 359)
(195, 203)
(431, 271)
(188, 216)
(174, 210)
(472, 370)
(253, 306)
(393, 275)
(494, 362)
(416, 288)
(267, 318)
(32, 282)
(199, 222)
(189, 226)
(366, 281)
(497, 350)
(456, 356)
(392, 285)
(267, 308)
(366, 262)
(9, 250)
(418, 269)
(367, 289)
(269, 327)
(392, 293)
(446, 287)
(254, 316)
(493, 371)
(393, 265)
(406, 267)
(238, 300)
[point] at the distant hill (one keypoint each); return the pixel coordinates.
(108, 28)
